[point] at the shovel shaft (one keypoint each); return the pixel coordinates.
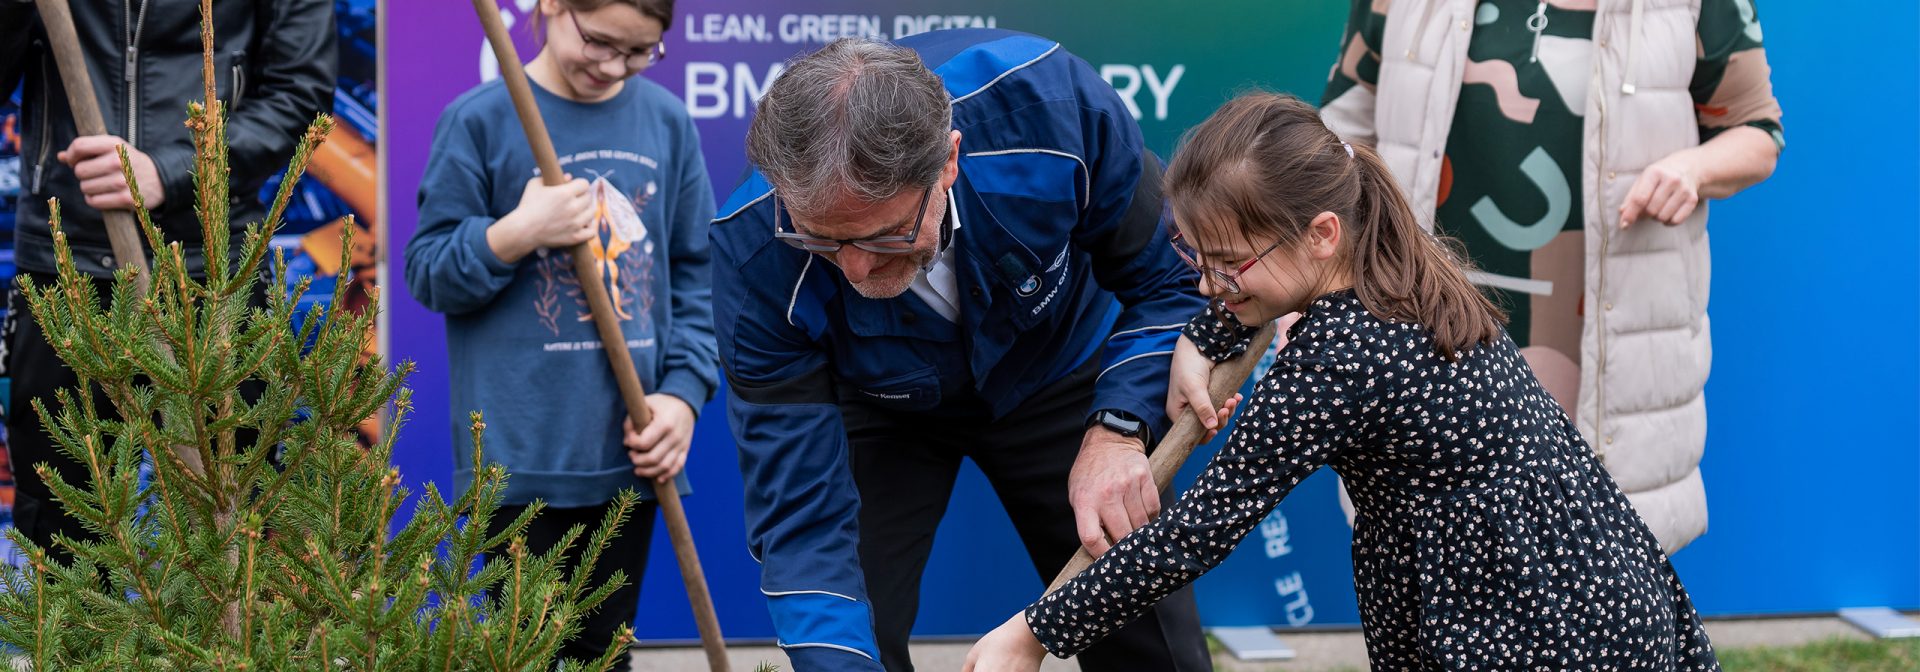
(122, 233)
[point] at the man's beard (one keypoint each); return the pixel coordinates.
(890, 286)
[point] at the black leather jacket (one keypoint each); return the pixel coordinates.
(273, 64)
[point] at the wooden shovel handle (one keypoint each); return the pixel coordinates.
(1186, 434)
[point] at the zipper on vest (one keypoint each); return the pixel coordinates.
(1633, 35)
(1538, 24)
(1420, 30)
(1606, 230)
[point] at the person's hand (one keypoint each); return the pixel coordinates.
(560, 217)
(1187, 389)
(1220, 417)
(1191, 374)
(1187, 385)
(95, 161)
(1110, 488)
(1009, 648)
(1667, 192)
(659, 451)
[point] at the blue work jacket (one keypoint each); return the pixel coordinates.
(1061, 256)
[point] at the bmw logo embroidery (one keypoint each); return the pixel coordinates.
(1028, 287)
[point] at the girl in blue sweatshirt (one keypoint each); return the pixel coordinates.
(492, 252)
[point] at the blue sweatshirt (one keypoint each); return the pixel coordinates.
(521, 344)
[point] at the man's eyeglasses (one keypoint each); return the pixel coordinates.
(598, 51)
(1229, 281)
(876, 244)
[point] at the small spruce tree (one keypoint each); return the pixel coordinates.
(266, 538)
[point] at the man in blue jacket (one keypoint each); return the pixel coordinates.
(950, 248)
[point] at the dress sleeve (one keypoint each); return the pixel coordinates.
(1302, 415)
(1348, 101)
(1732, 84)
(1218, 335)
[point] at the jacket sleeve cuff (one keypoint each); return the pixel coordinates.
(808, 658)
(1036, 623)
(174, 164)
(823, 630)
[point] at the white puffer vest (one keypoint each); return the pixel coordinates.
(1644, 348)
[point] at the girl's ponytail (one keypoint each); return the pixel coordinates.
(1402, 272)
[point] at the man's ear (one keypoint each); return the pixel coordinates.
(952, 172)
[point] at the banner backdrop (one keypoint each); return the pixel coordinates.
(1174, 63)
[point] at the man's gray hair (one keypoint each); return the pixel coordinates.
(858, 117)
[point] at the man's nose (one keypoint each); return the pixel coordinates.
(855, 262)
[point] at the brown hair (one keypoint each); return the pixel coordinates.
(1266, 162)
(658, 10)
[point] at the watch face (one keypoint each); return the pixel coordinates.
(1120, 422)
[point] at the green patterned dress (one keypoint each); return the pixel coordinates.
(1510, 183)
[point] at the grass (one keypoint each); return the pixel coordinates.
(1852, 655)
(1836, 654)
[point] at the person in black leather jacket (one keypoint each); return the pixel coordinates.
(273, 67)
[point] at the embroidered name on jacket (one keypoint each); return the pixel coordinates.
(1062, 263)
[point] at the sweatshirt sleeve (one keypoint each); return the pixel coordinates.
(692, 357)
(449, 266)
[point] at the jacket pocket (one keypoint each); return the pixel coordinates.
(916, 391)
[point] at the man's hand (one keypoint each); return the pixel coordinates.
(659, 451)
(95, 160)
(1110, 488)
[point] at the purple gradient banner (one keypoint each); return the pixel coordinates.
(1174, 64)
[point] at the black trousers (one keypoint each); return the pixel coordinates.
(626, 552)
(37, 374)
(905, 464)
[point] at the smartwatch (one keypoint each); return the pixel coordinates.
(1120, 422)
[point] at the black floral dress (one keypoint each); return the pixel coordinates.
(1489, 537)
